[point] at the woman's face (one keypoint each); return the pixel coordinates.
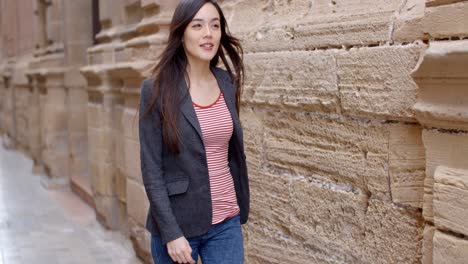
(203, 34)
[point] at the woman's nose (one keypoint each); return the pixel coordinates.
(207, 31)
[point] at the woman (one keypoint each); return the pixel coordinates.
(191, 142)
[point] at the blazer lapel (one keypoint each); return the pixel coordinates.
(187, 109)
(229, 94)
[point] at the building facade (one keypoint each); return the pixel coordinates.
(355, 115)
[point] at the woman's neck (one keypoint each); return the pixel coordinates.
(199, 72)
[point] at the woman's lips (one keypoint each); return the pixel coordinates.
(207, 46)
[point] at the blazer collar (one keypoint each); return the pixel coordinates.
(229, 94)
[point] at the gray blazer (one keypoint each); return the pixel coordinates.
(178, 186)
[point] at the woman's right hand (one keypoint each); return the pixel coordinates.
(180, 251)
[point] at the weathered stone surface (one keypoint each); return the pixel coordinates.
(130, 123)
(443, 97)
(451, 199)
(351, 227)
(448, 149)
(407, 164)
(443, 20)
(449, 249)
(321, 24)
(271, 205)
(377, 81)
(344, 150)
(427, 246)
(102, 178)
(303, 80)
(132, 160)
(137, 202)
(332, 223)
(254, 135)
(108, 211)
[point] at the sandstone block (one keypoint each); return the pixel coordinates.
(130, 123)
(342, 225)
(97, 138)
(451, 199)
(442, 20)
(322, 24)
(77, 120)
(443, 98)
(132, 160)
(94, 115)
(447, 149)
(108, 211)
(55, 118)
(407, 164)
(121, 186)
(427, 247)
(377, 81)
(302, 80)
(137, 202)
(343, 150)
(254, 134)
(449, 249)
(102, 178)
(271, 206)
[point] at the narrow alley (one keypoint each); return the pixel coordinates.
(50, 226)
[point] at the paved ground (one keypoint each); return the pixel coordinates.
(42, 226)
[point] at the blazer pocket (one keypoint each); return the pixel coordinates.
(177, 187)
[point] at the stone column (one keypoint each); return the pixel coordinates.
(104, 126)
(77, 31)
(442, 108)
(55, 129)
(36, 82)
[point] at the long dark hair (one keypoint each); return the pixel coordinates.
(171, 68)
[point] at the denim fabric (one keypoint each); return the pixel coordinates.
(222, 244)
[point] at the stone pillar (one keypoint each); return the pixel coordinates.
(8, 104)
(37, 84)
(104, 153)
(55, 129)
(442, 108)
(78, 37)
(2, 105)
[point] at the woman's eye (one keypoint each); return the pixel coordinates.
(196, 26)
(216, 26)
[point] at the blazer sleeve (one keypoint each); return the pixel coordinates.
(150, 136)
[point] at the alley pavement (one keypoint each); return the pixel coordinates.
(43, 226)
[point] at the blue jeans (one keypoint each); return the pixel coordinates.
(222, 244)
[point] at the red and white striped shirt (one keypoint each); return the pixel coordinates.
(216, 126)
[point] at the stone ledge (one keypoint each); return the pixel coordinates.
(442, 77)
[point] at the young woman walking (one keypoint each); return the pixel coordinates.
(192, 152)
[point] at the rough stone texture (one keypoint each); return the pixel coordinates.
(421, 20)
(407, 164)
(299, 80)
(451, 199)
(137, 203)
(427, 247)
(341, 149)
(443, 100)
(323, 222)
(448, 149)
(370, 85)
(449, 249)
(308, 25)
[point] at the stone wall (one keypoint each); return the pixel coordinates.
(354, 115)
